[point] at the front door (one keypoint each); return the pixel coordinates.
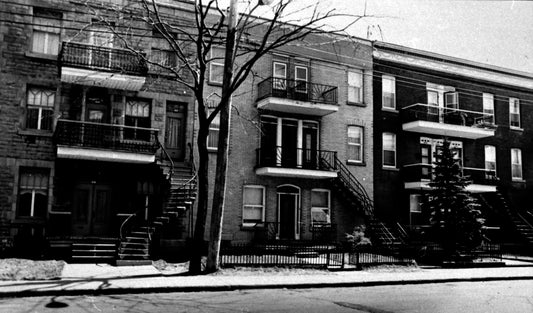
(91, 209)
(175, 130)
(289, 143)
(310, 145)
(288, 203)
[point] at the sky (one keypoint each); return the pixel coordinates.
(496, 32)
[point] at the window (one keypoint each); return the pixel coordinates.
(137, 115)
(514, 112)
(516, 164)
(389, 92)
(355, 144)
(490, 161)
(389, 150)
(46, 30)
(300, 76)
(214, 128)
(488, 108)
(216, 66)
(414, 203)
(40, 108)
(280, 75)
(451, 100)
(253, 207)
(425, 159)
(320, 207)
(33, 192)
(164, 58)
(355, 87)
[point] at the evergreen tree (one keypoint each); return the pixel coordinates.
(455, 216)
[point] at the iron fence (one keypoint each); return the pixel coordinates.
(292, 157)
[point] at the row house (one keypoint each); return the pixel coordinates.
(300, 158)
(95, 142)
(421, 98)
(97, 153)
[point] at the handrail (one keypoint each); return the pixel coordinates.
(106, 124)
(351, 182)
(445, 108)
(124, 223)
(165, 152)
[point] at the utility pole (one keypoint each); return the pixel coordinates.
(217, 212)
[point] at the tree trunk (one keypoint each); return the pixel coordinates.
(217, 210)
(195, 264)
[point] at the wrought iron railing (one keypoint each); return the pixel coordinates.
(297, 90)
(431, 113)
(88, 56)
(106, 136)
(295, 158)
(425, 172)
(352, 184)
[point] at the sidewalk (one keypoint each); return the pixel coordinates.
(106, 279)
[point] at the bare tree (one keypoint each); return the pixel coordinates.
(191, 33)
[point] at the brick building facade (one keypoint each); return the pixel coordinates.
(90, 132)
(420, 98)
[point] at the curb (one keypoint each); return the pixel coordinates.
(185, 289)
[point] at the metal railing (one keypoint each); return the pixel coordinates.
(431, 113)
(295, 158)
(351, 183)
(88, 56)
(425, 172)
(106, 136)
(297, 90)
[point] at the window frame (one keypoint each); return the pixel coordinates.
(52, 29)
(359, 75)
(487, 149)
(33, 191)
(513, 101)
(392, 79)
(360, 145)
(40, 108)
(383, 149)
(519, 163)
(212, 128)
(262, 206)
(488, 101)
(216, 63)
(321, 209)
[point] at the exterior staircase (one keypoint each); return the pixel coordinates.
(138, 236)
(520, 221)
(90, 250)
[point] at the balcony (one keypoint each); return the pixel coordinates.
(428, 119)
(418, 176)
(293, 162)
(89, 65)
(297, 97)
(105, 142)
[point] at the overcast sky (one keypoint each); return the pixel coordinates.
(497, 32)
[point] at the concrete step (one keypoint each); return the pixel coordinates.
(133, 262)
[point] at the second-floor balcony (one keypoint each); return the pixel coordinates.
(294, 162)
(419, 175)
(293, 96)
(105, 142)
(90, 65)
(430, 119)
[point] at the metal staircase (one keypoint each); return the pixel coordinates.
(137, 235)
(520, 222)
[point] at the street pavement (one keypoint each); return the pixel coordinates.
(85, 279)
(472, 297)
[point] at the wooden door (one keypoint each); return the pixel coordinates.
(175, 130)
(287, 215)
(91, 210)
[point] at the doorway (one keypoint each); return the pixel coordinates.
(175, 130)
(288, 212)
(91, 209)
